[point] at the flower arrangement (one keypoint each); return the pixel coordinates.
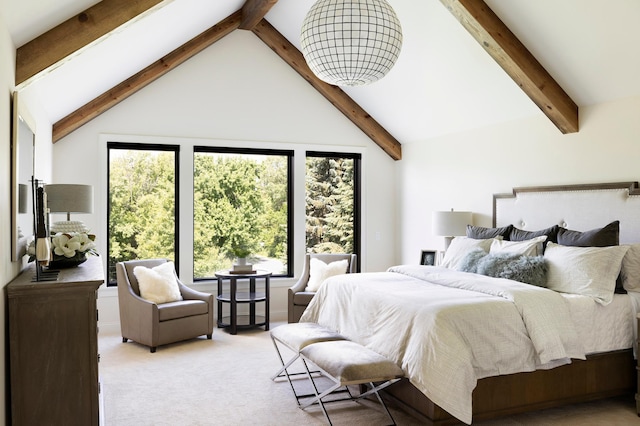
(68, 248)
(70, 244)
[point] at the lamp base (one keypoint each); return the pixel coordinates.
(69, 226)
(447, 242)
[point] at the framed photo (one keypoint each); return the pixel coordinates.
(428, 257)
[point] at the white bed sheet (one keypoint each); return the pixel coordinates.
(386, 312)
(603, 328)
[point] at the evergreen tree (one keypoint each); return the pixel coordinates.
(329, 205)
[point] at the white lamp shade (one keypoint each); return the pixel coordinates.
(351, 42)
(69, 198)
(451, 223)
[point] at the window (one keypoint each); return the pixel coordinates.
(143, 203)
(242, 202)
(332, 203)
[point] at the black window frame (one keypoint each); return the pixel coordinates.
(290, 154)
(145, 147)
(357, 195)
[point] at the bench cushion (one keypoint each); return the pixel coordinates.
(299, 335)
(351, 363)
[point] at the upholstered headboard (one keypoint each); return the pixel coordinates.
(576, 207)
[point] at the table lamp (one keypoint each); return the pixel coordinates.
(449, 224)
(69, 198)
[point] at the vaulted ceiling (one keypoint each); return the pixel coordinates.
(462, 66)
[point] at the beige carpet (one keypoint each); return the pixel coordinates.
(226, 381)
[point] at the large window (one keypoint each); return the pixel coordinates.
(332, 203)
(143, 201)
(242, 202)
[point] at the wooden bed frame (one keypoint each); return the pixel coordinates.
(600, 375)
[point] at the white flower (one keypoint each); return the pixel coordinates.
(67, 244)
(85, 241)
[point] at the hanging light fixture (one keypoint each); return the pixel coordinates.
(351, 42)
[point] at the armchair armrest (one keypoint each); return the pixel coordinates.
(300, 285)
(133, 304)
(136, 310)
(190, 294)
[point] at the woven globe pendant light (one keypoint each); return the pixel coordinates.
(351, 42)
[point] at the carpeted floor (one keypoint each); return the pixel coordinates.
(226, 381)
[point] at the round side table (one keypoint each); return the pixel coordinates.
(234, 297)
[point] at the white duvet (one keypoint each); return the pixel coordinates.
(446, 330)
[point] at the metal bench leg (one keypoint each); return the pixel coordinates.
(286, 372)
(283, 372)
(284, 367)
(375, 390)
(319, 396)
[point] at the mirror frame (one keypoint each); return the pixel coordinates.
(20, 114)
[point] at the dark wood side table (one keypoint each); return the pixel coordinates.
(233, 298)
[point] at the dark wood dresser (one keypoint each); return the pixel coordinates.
(53, 347)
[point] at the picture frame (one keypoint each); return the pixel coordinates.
(429, 257)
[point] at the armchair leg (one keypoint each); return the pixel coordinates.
(125, 340)
(152, 349)
(209, 336)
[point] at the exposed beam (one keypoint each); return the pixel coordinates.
(154, 71)
(75, 33)
(485, 26)
(291, 55)
(253, 11)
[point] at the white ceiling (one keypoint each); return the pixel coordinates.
(443, 82)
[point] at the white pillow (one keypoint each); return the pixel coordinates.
(589, 271)
(158, 284)
(630, 272)
(459, 248)
(320, 271)
(532, 247)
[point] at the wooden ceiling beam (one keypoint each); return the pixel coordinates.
(75, 33)
(496, 38)
(154, 71)
(253, 11)
(291, 55)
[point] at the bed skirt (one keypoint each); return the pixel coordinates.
(599, 376)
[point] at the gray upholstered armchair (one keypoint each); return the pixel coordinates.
(298, 297)
(154, 324)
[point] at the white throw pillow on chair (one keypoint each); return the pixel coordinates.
(320, 271)
(158, 284)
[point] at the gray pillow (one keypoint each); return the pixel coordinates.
(525, 269)
(522, 235)
(482, 233)
(600, 237)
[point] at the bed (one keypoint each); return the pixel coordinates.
(474, 346)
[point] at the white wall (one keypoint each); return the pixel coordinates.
(9, 270)
(236, 92)
(463, 171)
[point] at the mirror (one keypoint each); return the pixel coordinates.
(22, 175)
